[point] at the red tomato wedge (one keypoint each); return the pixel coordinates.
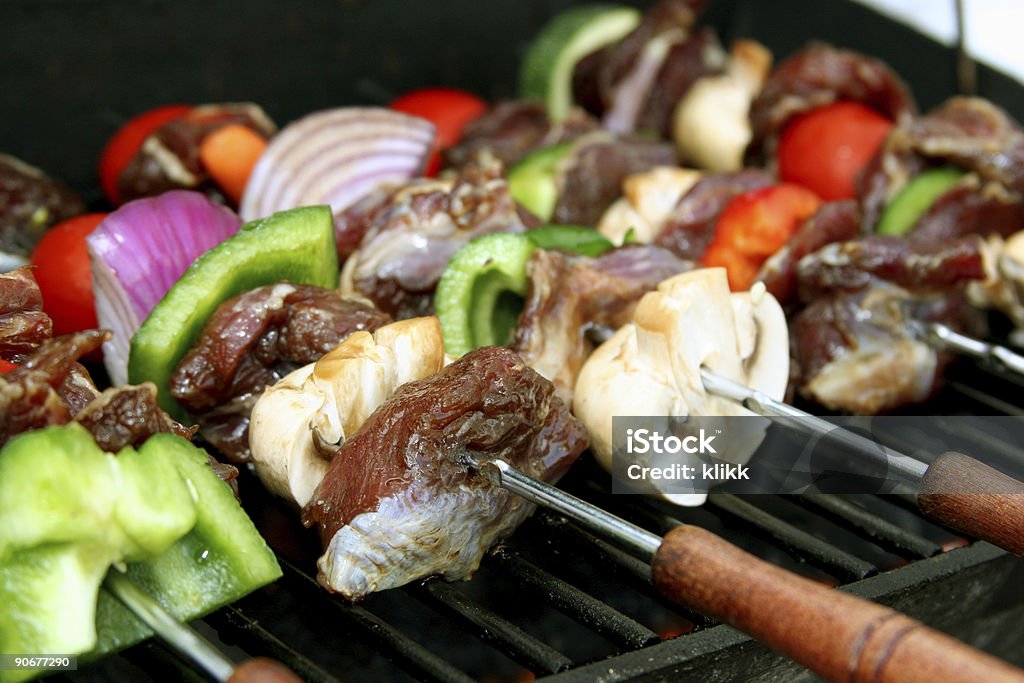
(826, 148)
(6, 366)
(448, 109)
(64, 274)
(128, 140)
(755, 225)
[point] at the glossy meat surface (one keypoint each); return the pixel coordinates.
(590, 177)
(251, 342)
(971, 134)
(815, 76)
(408, 241)
(856, 343)
(397, 504)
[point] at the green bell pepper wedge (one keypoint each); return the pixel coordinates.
(68, 511)
(481, 291)
(295, 245)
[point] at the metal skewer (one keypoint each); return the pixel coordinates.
(630, 537)
(180, 636)
(945, 337)
(908, 468)
(834, 634)
(947, 489)
(187, 641)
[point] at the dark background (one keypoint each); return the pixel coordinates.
(74, 70)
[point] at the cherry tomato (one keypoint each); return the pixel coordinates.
(753, 226)
(826, 148)
(128, 140)
(448, 109)
(6, 366)
(64, 274)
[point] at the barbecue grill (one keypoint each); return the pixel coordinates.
(554, 602)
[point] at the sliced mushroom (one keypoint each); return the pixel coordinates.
(299, 423)
(711, 125)
(646, 203)
(1003, 286)
(651, 367)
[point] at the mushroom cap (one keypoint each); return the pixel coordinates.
(651, 367)
(711, 124)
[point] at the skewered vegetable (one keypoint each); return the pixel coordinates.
(336, 157)
(450, 110)
(299, 422)
(651, 366)
(62, 269)
(70, 510)
(139, 251)
(480, 294)
(916, 198)
(296, 245)
(754, 226)
(827, 148)
(547, 69)
(710, 125)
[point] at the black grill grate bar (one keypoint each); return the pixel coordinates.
(502, 634)
(607, 555)
(570, 600)
(584, 542)
(155, 657)
(835, 561)
(233, 623)
(883, 532)
(392, 643)
(993, 403)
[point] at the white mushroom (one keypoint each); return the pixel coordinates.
(651, 367)
(299, 422)
(711, 126)
(646, 203)
(1003, 286)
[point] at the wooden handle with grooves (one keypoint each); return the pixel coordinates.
(969, 496)
(838, 636)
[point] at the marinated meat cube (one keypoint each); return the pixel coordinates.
(510, 130)
(398, 504)
(251, 342)
(411, 238)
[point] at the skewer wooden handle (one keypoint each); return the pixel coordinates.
(969, 496)
(836, 635)
(262, 670)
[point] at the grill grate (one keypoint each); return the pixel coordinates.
(556, 602)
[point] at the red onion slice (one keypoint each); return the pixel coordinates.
(336, 157)
(139, 251)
